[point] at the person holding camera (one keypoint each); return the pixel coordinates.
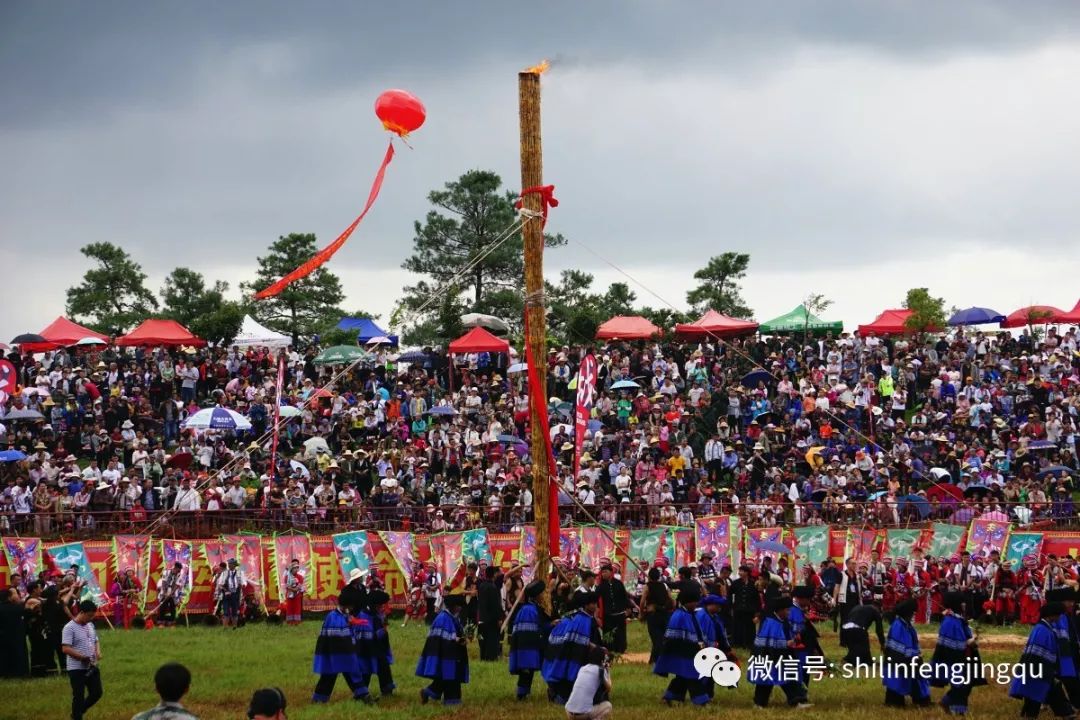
(590, 698)
(80, 643)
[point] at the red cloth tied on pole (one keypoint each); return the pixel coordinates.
(547, 199)
(328, 252)
(537, 400)
(586, 394)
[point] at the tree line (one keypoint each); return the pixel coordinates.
(468, 255)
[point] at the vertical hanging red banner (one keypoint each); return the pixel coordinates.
(586, 395)
(313, 263)
(277, 422)
(538, 401)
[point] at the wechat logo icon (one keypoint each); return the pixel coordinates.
(712, 663)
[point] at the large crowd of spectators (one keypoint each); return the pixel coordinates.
(780, 430)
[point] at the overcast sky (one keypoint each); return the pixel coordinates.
(854, 149)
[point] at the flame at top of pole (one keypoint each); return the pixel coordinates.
(538, 69)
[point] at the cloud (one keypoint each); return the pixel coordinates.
(832, 140)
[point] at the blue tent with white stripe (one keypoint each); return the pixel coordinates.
(366, 329)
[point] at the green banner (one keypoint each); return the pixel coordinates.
(353, 552)
(946, 540)
(811, 545)
(1022, 544)
(475, 546)
(74, 554)
(645, 545)
(901, 543)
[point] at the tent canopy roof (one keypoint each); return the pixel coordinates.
(717, 324)
(1033, 315)
(799, 320)
(366, 329)
(252, 333)
(890, 322)
(62, 332)
(1071, 317)
(478, 340)
(627, 327)
(160, 332)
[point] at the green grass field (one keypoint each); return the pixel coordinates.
(228, 665)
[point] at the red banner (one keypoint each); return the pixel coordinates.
(586, 395)
(538, 407)
(328, 252)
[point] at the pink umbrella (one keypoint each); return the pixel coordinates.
(995, 515)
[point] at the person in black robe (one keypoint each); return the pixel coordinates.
(490, 615)
(745, 605)
(657, 606)
(855, 633)
(614, 603)
(14, 660)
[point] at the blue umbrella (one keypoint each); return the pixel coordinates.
(594, 425)
(218, 418)
(12, 456)
(752, 378)
(508, 438)
(516, 368)
(963, 515)
(772, 546)
(922, 505)
(1052, 470)
(1041, 445)
(876, 495)
(625, 385)
(413, 356)
(442, 410)
(975, 316)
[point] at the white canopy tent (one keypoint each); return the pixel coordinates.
(252, 333)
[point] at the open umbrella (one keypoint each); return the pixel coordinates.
(813, 456)
(300, 467)
(181, 461)
(11, 456)
(819, 495)
(508, 438)
(995, 515)
(973, 490)
(321, 393)
(339, 355)
(773, 546)
(975, 316)
(445, 410)
(490, 322)
(379, 340)
(962, 516)
(1041, 445)
(218, 418)
(752, 378)
(315, 445)
(940, 473)
(413, 356)
(290, 411)
(516, 368)
(1054, 470)
(941, 491)
(23, 416)
(876, 495)
(27, 338)
(921, 505)
(90, 341)
(625, 385)
(34, 391)
(766, 417)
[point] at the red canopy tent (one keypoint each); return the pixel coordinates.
(890, 322)
(627, 327)
(61, 332)
(1033, 315)
(478, 340)
(716, 324)
(1072, 317)
(160, 332)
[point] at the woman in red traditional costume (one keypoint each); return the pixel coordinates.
(294, 593)
(1029, 590)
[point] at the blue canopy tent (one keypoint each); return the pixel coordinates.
(366, 329)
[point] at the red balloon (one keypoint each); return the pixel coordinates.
(401, 112)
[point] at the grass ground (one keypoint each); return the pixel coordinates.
(228, 665)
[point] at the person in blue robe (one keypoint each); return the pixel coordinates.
(900, 674)
(382, 654)
(445, 657)
(807, 639)
(712, 627)
(335, 654)
(1038, 683)
(568, 646)
(774, 661)
(683, 638)
(528, 635)
(1068, 643)
(956, 660)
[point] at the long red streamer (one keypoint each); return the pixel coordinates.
(537, 400)
(328, 252)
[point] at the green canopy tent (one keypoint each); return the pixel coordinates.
(797, 321)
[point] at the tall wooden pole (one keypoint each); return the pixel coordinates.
(532, 175)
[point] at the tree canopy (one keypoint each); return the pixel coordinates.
(718, 286)
(463, 254)
(305, 306)
(113, 296)
(202, 310)
(927, 311)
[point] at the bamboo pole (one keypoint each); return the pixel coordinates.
(532, 175)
